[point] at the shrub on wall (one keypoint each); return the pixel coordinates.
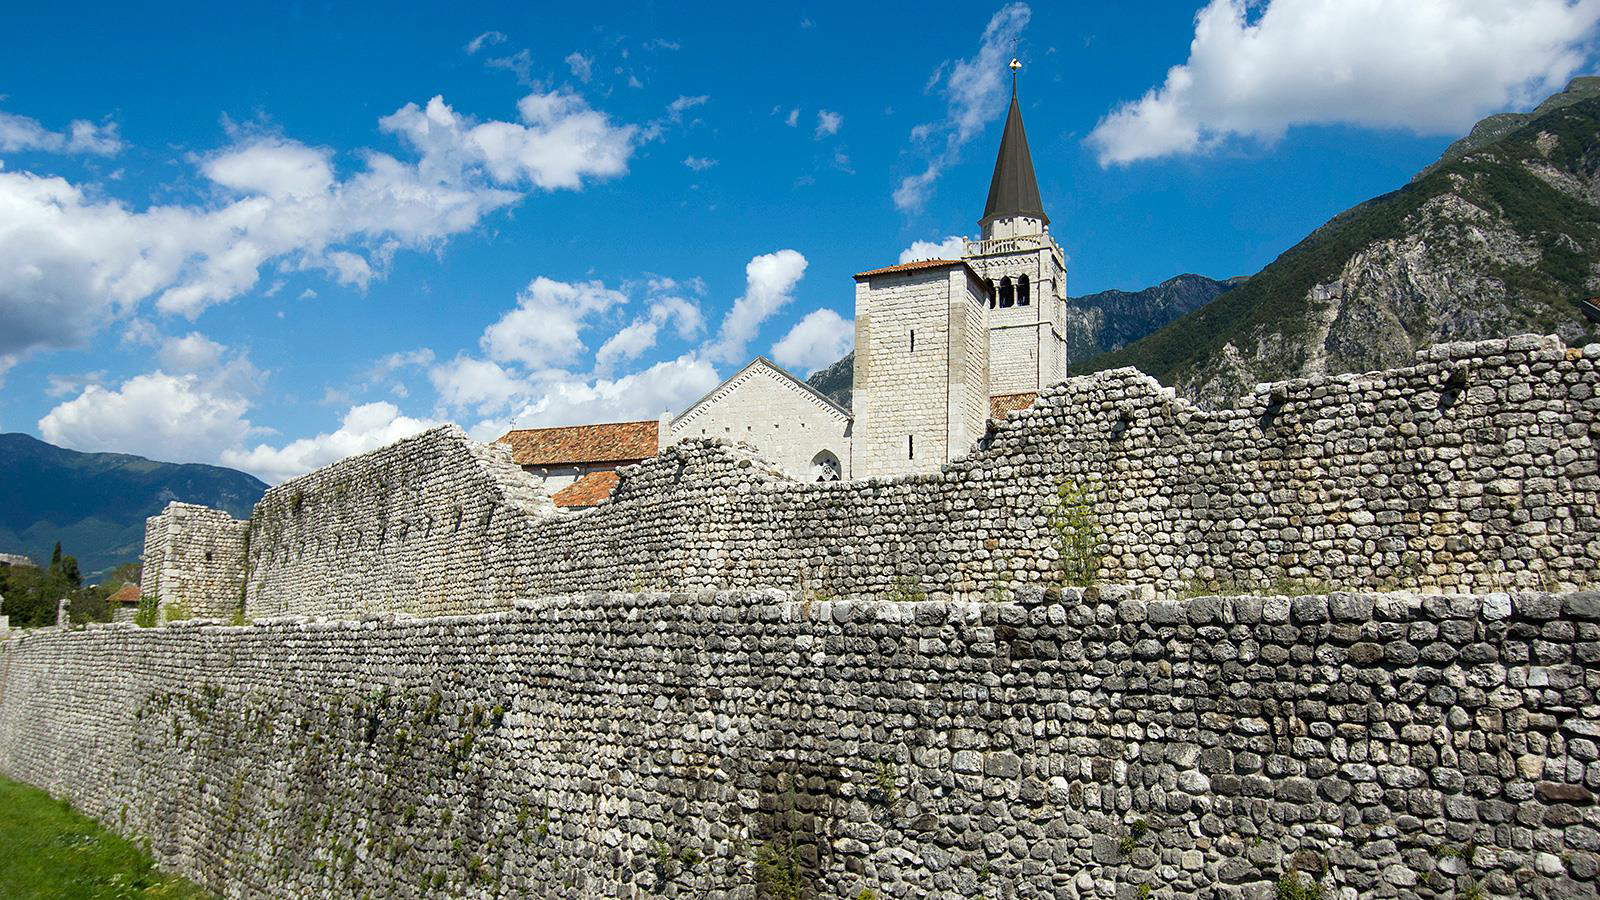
(1077, 533)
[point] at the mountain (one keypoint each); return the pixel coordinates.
(1501, 236)
(95, 504)
(837, 381)
(1095, 323)
(1109, 320)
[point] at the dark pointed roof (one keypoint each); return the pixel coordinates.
(1014, 191)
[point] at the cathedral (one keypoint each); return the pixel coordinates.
(941, 347)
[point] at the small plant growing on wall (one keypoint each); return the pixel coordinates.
(147, 614)
(1077, 534)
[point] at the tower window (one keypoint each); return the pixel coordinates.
(1007, 297)
(911, 448)
(990, 283)
(1022, 290)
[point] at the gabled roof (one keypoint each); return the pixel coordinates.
(914, 266)
(587, 491)
(1013, 191)
(761, 363)
(128, 593)
(609, 442)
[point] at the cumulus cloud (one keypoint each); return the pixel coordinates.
(769, 284)
(793, 118)
(20, 133)
(821, 338)
(640, 335)
(1425, 66)
(560, 142)
(543, 330)
(975, 91)
(467, 382)
(177, 418)
(951, 247)
(666, 386)
(828, 123)
(193, 352)
(72, 260)
(365, 427)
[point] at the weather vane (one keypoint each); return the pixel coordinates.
(1015, 67)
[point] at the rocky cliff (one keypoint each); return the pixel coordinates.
(1499, 238)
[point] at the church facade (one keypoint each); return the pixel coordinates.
(941, 347)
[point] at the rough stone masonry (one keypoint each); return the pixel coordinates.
(1049, 744)
(863, 689)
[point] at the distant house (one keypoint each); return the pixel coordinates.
(578, 463)
(16, 559)
(125, 603)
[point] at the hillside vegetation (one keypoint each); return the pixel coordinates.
(1501, 239)
(95, 504)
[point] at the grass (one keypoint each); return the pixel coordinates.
(49, 850)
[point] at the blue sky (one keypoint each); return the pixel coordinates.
(269, 238)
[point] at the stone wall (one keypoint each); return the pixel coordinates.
(431, 524)
(1474, 469)
(194, 560)
(1040, 745)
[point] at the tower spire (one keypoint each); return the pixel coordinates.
(1013, 191)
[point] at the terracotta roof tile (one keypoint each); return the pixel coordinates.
(587, 491)
(1000, 404)
(610, 442)
(913, 266)
(128, 593)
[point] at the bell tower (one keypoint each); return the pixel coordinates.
(1023, 269)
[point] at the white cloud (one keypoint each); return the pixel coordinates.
(365, 427)
(769, 282)
(543, 329)
(699, 163)
(582, 66)
(176, 418)
(793, 119)
(683, 104)
(561, 142)
(72, 260)
(639, 336)
(975, 91)
(827, 123)
(817, 340)
(667, 386)
(470, 383)
(951, 247)
(20, 133)
(193, 352)
(487, 39)
(1425, 66)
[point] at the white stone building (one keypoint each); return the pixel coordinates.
(788, 421)
(942, 346)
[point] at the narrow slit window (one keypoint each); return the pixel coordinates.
(913, 340)
(911, 447)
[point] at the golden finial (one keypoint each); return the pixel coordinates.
(1015, 67)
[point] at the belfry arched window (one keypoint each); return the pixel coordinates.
(1022, 290)
(990, 283)
(1007, 297)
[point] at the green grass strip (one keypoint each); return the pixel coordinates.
(47, 849)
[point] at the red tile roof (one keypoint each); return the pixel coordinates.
(617, 442)
(586, 491)
(1000, 404)
(128, 593)
(914, 266)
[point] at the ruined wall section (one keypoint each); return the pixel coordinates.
(434, 524)
(679, 745)
(193, 562)
(1474, 469)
